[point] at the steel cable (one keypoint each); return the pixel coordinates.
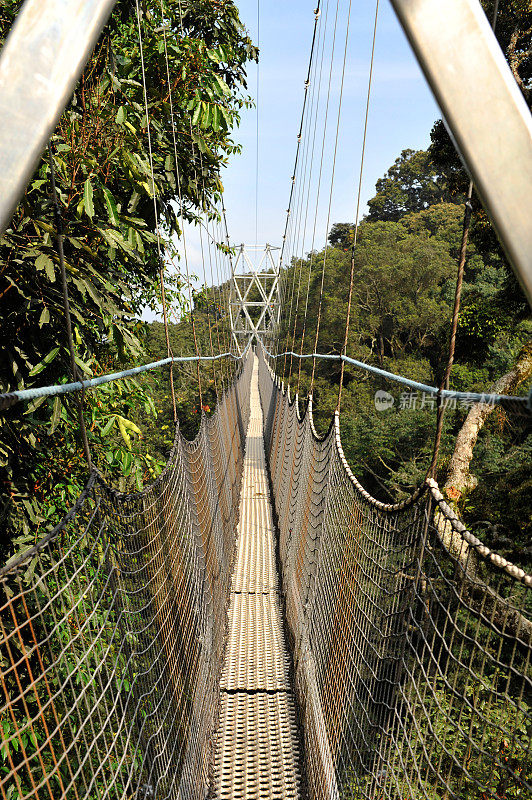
(112, 629)
(412, 641)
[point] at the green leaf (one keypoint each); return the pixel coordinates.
(88, 199)
(45, 361)
(196, 114)
(84, 366)
(125, 435)
(46, 263)
(112, 210)
(127, 461)
(222, 85)
(56, 415)
(120, 115)
(108, 425)
(226, 117)
(207, 116)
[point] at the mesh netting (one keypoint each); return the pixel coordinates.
(411, 640)
(112, 630)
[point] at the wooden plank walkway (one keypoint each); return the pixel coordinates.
(257, 754)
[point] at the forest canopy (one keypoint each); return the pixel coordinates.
(119, 205)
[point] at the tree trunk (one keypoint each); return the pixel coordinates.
(459, 479)
(481, 598)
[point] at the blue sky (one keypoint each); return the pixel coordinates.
(401, 115)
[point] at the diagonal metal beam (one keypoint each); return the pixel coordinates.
(484, 111)
(40, 65)
(242, 326)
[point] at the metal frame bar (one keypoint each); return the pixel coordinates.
(484, 110)
(257, 276)
(40, 65)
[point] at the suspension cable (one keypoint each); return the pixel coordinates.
(316, 93)
(257, 130)
(357, 217)
(303, 203)
(178, 180)
(155, 209)
(284, 282)
(322, 279)
(317, 13)
(66, 306)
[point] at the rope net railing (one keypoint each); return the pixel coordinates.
(411, 640)
(112, 629)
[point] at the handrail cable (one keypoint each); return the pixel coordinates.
(8, 399)
(521, 404)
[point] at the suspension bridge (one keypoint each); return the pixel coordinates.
(254, 624)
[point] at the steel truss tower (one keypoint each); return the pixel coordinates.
(254, 299)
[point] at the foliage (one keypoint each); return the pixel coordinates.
(112, 190)
(342, 235)
(403, 294)
(514, 33)
(412, 184)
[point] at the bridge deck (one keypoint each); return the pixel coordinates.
(257, 750)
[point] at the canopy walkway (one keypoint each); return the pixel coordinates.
(254, 624)
(408, 669)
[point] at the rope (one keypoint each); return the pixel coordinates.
(257, 130)
(112, 629)
(454, 328)
(317, 13)
(357, 216)
(512, 403)
(316, 93)
(192, 318)
(411, 640)
(322, 280)
(9, 399)
(303, 204)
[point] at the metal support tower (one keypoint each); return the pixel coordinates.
(254, 298)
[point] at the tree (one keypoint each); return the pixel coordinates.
(459, 478)
(412, 184)
(398, 287)
(109, 197)
(514, 34)
(342, 235)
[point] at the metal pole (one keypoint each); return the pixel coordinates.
(40, 65)
(484, 110)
